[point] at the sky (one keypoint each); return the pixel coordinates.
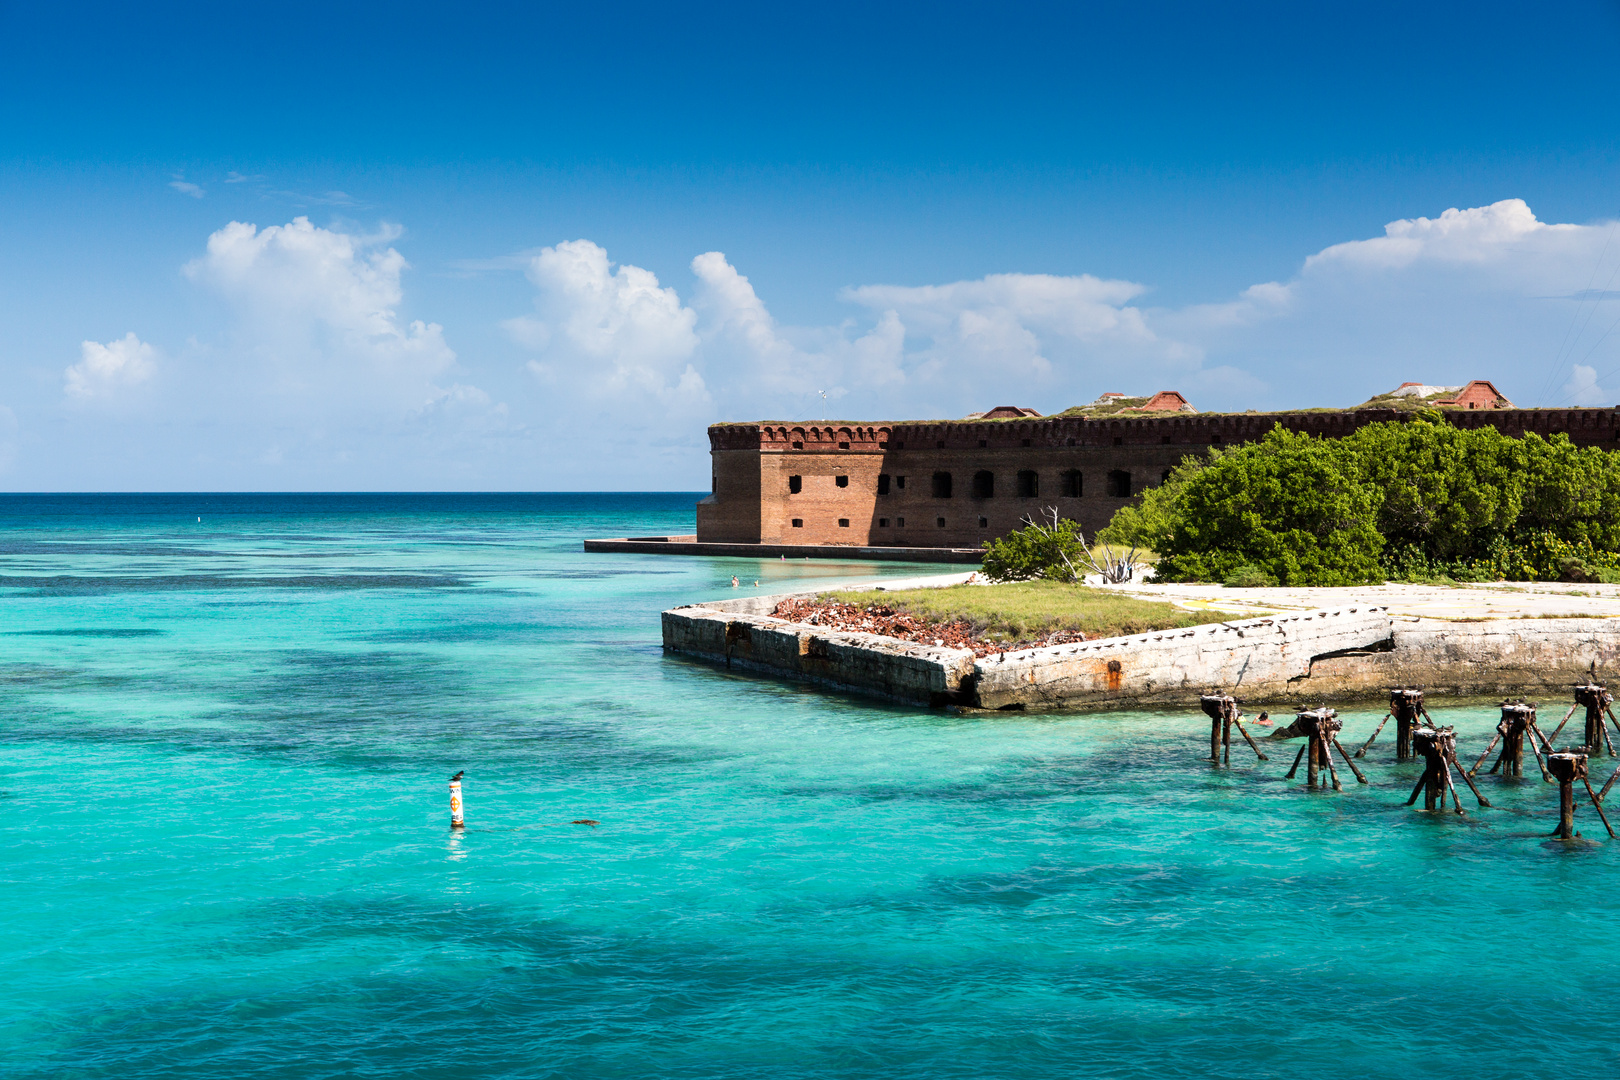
(541, 247)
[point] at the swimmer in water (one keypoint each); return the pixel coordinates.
(734, 581)
(1263, 718)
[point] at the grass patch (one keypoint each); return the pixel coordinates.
(1022, 610)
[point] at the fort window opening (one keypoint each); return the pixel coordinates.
(883, 523)
(795, 484)
(883, 483)
(841, 481)
(1165, 478)
(1215, 438)
(899, 446)
(843, 446)
(1165, 439)
(900, 482)
(984, 485)
(899, 523)
(714, 482)
(798, 446)
(1026, 442)
(942, 485)
(798, 523)
(1029, 484)
(843, 523)
(940, 445)
(983, 443)
(1119, 484)
(984, 523)
(1073, 484)
(940, 522)
(1118, 441)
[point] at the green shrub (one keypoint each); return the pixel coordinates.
(1035, 551)
(1249, 576)
(1416, 501)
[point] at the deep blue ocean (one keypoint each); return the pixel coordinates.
(227, 722)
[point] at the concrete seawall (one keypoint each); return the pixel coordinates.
(1339, 654)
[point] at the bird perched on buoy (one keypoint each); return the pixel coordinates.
(458, 776)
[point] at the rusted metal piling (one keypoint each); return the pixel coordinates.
(1321, 730)
(1518, 720)
(1406, 706)
(1596, 699)
(1437, 746)
(1568, 768)
(1223, 713)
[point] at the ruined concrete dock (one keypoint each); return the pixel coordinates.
(1344, 644)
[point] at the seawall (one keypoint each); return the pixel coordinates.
(1347, 653)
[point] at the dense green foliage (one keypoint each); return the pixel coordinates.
(1036, 551)
(1420, 499)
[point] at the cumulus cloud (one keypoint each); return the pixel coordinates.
(318, 311)
(105, 371)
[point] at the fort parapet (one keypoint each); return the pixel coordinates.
(955, 484)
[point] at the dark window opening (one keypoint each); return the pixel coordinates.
(899, 446)
(1216, 439)
(883, 523)
(984, 485)
(900, 482)
(940, 445)
(940, 522)
(1165, 477)
(843, 523)
(1026, 442)
(714, 482)
(942, 485)
(883, 483)
(1073, 484)
(899, 523)
(843, 446)
(1118, 441)
(883, 446)
(795, 484)
(984, 523)
(798, 446)
(983, 443)
(1029, 484)
(1071, 442)
(798, 523)
(1165, 439)
(1119, 484)
(841, 481)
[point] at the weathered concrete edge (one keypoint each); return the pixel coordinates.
(1351, 653)
(1259, 654)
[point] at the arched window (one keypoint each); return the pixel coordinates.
(1073, 484)
(1119, 484)
(984, 485)
(1029, 484)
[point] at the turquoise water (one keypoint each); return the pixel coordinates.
(224, 747)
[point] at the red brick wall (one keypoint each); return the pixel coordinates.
(753, 464)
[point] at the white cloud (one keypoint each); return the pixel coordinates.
(185, 187)
(1583, 388)
(105, 371)
(612, 333)
(318, 311)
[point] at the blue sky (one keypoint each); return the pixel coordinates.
(532, 247)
